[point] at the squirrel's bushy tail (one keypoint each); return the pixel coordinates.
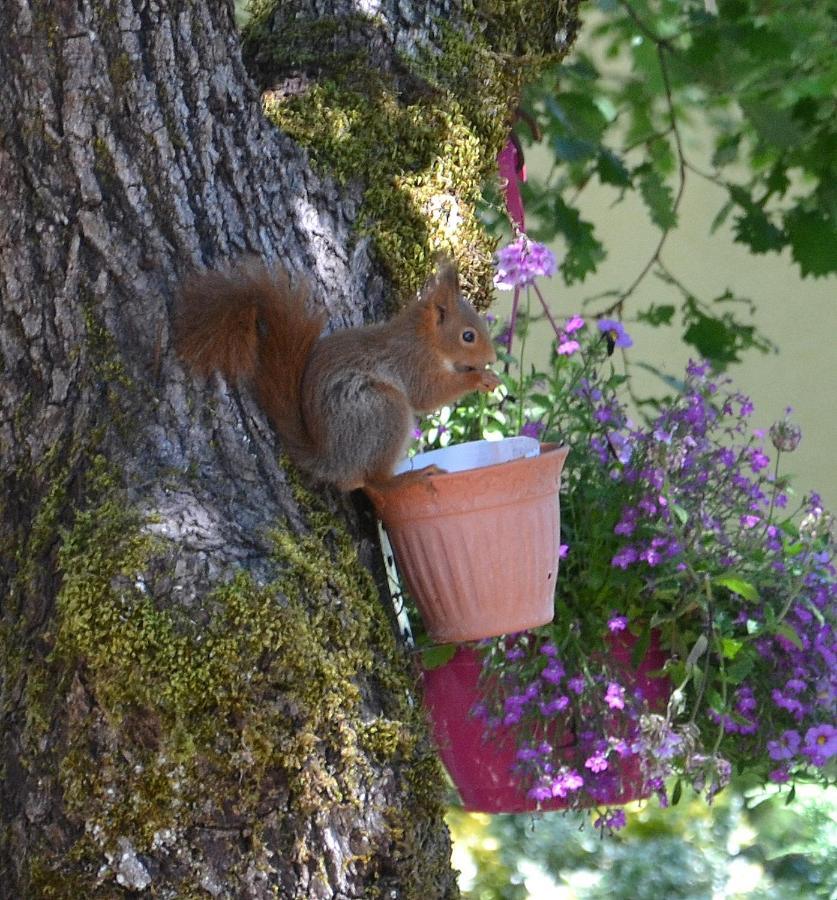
(252, 324)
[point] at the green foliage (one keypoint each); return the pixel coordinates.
(650, 79)
(749, 845)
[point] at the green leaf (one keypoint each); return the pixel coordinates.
(789, 632)
(640, 648)
(584, 251)
(436, 656)
(699, 648)
(715, 701)
(738, 586)
(730, 647)
(658, 197)
(576, 125)
(726, 150)
(578, 115)
(611, 169)
(677, 793)
(721, 216)
(774, 125)
(813, 239)
(712, 338)
(755, 229)
(741, 668)
(657, 315)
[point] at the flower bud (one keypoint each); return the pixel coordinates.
(785, 435)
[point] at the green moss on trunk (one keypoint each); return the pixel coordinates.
(256, 709)
(421, 134)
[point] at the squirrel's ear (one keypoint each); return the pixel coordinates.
(441, 290)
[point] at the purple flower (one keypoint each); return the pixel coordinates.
(549, 649)
(556, 705)
(615, 696)
(573, 324)
(563, 550)
(758, 460)
(577, 684)
(540, 792)
(617, 623)
(791, 704)
(527, 754)
(659, 787)
(532, 429)
(553, 673)
(614, 819)
(652, 556)
(785, 747)
(616, 332)
(519, 263)
(621, 447)
(749, 521)
(820, 744)
(625, 557)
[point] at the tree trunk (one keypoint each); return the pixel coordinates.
(201, 689)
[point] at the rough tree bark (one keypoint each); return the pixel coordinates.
(201, 691)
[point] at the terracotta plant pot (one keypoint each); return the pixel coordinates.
(478, 548)
(481, 761)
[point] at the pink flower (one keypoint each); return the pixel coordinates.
(617, 623)
(566, 782)
(573, 324)
(615, 696)
(596, 763)
(567, 346)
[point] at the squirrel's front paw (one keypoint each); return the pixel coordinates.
(487, 380)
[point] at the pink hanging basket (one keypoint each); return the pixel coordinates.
(481, 761)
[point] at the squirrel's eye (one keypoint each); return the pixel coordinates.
(468, 336)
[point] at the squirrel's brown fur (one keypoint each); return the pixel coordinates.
(344, 405)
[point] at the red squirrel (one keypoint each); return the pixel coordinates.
(343, 404)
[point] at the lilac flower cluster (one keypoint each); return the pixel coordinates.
(706, 519)
(581, 729)
(682, 522)
(521, 262)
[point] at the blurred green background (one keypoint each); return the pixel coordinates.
(747, 845)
